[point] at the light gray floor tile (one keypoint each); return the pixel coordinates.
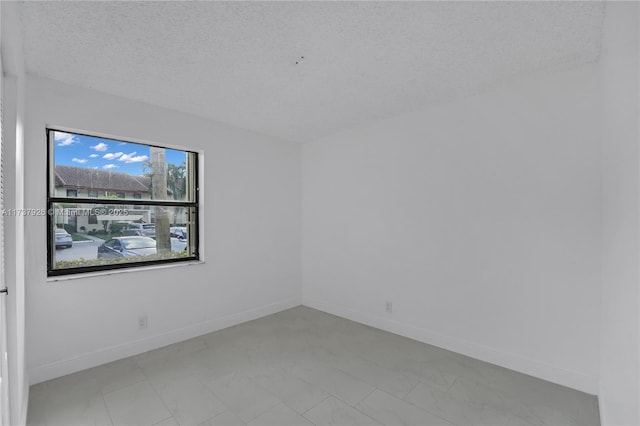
(73, 399)
(176, 349)
(166, 367)
(37, 415)
(390, 410)
(225, 419)
(241, 395)
(168, 422)
(72, 386)
(389, 380)
(280, 415)
(427, 370)
(90, 410)
(138, 404)
(118, 374)
(548, 402)
(223, 360)
(332, 411)
(318, 365)
(336, 382)
(293, 391)
(479, 395)
(190, 401)
(459, 410)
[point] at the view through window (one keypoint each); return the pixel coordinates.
(114, 204)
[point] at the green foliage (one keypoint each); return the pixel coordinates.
(115, 228)
(176, 178)
(78, 237)
(64, 264)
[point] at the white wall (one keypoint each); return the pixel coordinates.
(251, 230)
(620, 363)
(479, 219)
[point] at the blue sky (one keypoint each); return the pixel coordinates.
(105, 154)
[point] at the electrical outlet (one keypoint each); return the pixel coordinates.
(142, 322)
(389, 307)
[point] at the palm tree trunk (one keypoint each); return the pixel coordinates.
(159, 188)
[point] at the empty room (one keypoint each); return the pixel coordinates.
(319, 213)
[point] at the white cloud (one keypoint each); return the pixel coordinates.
(79, 160)
(65, 139)
(94, 155)
(132, 158)
(102, 147)
(112, 156)
(109, 166)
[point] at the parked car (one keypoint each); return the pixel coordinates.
(144, 229)
(126, 247)
(131, 233)
(178, 244)
(134, 246)
(63, 238)
(179, 232)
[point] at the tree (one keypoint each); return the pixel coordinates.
(159, 191)
(177, 184)
(176, 180)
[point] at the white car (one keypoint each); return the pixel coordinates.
(134, 246)
(179, 232)
(144, 229)
(63, 239)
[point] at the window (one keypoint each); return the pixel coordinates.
(129, 186)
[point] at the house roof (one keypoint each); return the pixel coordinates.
(78, 177)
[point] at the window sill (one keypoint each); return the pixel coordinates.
(123, 271)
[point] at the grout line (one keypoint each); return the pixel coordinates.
(411, 390)
(104, 400)
(162, 401)
(275, 396)
(366, 415)
(424, 409)
(451, 385)
(323, 400)
(160, 421)
(365, 397)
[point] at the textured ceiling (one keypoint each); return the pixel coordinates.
(236, 61)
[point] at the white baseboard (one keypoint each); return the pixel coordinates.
(572, 379)
(102, 356)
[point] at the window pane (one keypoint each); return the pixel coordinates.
(89, 166)
(93, 234)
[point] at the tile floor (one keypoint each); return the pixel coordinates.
(304, 367)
